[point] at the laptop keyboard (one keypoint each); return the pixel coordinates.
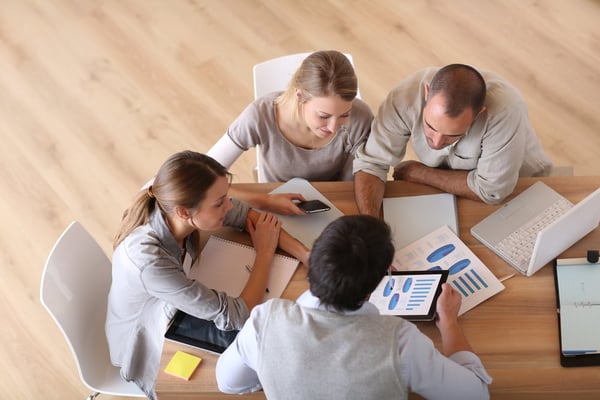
(518, 246)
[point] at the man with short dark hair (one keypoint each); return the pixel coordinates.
(470, 131)
(333, 344)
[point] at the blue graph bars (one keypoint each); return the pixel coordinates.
(469, 283)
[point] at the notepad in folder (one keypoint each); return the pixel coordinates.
(578, 306)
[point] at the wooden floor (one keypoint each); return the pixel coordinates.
(94, 95)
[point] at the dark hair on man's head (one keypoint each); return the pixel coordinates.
(349, 259)
(462, 86)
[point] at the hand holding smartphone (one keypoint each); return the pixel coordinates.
(313, 206)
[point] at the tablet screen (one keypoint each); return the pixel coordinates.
(199, 333)
(409, 294)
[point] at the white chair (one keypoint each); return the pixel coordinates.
(274, 75)
(74, 290)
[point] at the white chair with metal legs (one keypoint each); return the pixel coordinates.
(74, 290)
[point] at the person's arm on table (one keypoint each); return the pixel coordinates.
(265, 233)
(368, 193)
(226, 152)
(458, 373)
(453, 338)
(279, 203)
(450, 181)
(287, 242)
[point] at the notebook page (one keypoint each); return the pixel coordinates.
(224, 265)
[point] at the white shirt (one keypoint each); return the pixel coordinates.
(237, 366)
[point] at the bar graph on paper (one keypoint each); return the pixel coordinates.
(442, 249)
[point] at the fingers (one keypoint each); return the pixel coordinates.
(284, 203)
(449, 301)
(296, 196)
(268, 220)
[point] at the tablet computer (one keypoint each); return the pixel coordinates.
(199, 333)
(409, 294)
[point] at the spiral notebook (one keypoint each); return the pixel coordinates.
(226, 265)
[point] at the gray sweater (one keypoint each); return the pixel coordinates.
(327, 355)
(148, 285)
(500, 145)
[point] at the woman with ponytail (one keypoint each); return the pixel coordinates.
(158, 242)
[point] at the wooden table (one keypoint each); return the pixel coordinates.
(515, 332)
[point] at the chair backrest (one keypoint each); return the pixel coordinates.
(74, 290)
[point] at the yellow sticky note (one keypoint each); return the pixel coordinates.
(183, 365)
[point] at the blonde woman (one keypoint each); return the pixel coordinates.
(311, 130)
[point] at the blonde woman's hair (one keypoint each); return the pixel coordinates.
(322, 73)
(182, 180)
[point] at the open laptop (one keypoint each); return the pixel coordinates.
(536, 226)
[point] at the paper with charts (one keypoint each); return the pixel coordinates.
(442, 249)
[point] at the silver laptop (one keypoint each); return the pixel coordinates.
(536, 226)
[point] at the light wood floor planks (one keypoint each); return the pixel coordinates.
(94, 95)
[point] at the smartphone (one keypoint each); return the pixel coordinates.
(313, 206)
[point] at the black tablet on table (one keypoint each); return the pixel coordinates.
(199, 333)
(409, 294)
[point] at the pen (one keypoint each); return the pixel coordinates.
(506, 277)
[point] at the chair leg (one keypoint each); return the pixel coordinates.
(93, 396)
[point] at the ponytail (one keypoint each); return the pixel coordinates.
(182, 180)
(137, 214)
